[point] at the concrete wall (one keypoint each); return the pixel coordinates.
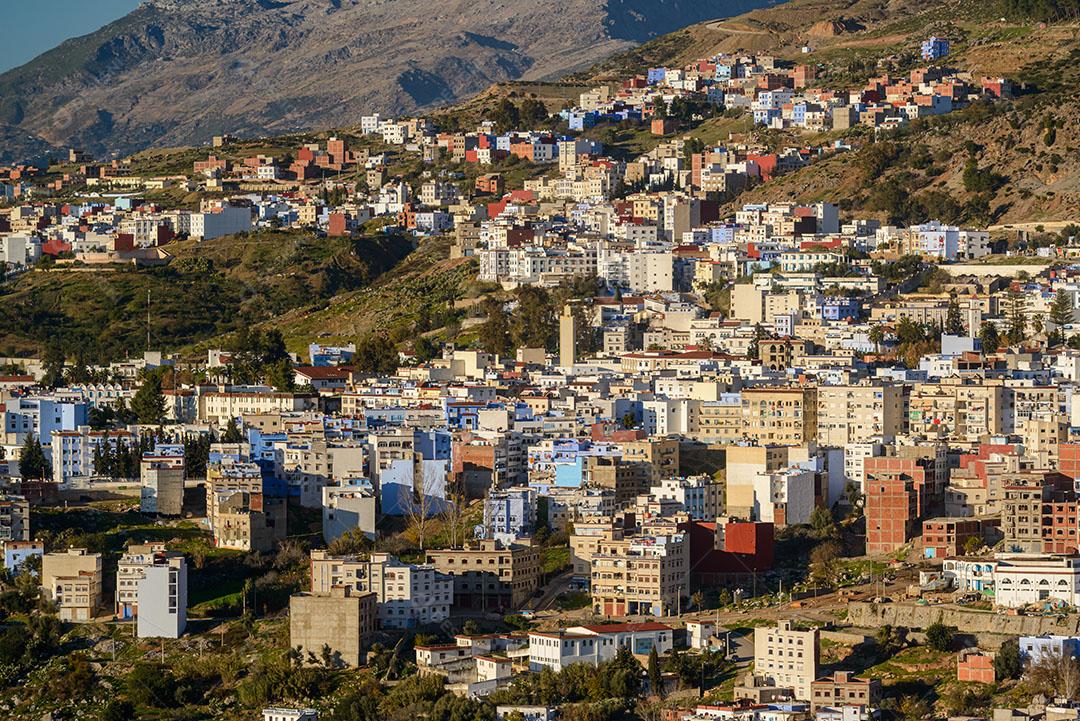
(978, 623)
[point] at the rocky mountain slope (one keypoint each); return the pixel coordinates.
(179, 71)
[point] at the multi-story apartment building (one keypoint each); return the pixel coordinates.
(72, 580)
(14, 518)
(162, 594)
(787, 656)
(490, 575)
(161, 473)
(407, 595)
(786, 416)
(510, 514)
(646, 575)
(859, 414)
(344, 620)
(842, 688)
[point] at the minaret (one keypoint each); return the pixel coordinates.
(567, 337)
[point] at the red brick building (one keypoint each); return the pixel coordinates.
(892, 506)
(843, 689)
(973, 665)
(945, 537)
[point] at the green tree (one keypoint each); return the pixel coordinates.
(535, 320)
(1060, 315)
(824, 560)
(1008, 663)
(989, 337)
(232, 433)
(495, 331)
(877, 336)
(954, 324)
(148, 404)
(506, 116)
(118, 710)
(33, 464)
(656, 679)
(939, 636)
(53, 365)
(1016, 313)
(376, 354)
(822, 522)
(753, 351)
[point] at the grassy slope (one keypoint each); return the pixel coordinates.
(211, 288)
(427, 278)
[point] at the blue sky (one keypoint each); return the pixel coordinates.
(30, 27)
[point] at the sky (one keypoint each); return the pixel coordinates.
(30, 27)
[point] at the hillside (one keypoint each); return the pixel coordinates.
(211, 288)
(1017, 169)
(174, 72)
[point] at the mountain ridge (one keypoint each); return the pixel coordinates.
(180, 72)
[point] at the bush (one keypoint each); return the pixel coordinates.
(939, 636)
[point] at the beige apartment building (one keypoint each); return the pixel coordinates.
(961, 412)
(662, 455)
(490, 575)
(859, 414)
(787, 416)
(218, 407)
(72, 579)
(586, 539)
(408, 595)
(786, 656)
(743, 465)
(720, 420)
(647, 575)
(344, 620)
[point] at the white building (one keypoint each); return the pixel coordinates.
(595, 644)
(1023, 579)
(162, 598)
(787, 657)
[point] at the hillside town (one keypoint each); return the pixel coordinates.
(763, 461)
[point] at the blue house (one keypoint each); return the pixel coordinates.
(934, 48)
(839, 308)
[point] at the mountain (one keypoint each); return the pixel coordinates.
(180, 71)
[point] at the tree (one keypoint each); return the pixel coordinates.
(972, 545)
(118, 710)
(232, 433)
(954, 324)
(939, 636)
(1055, 674)
(32, 461)
(1061, 315)
(1016, 312)
(1008, 663)
(495, 332)
(854, 497)
(53, 365)
(506, 116)
(376, 354)
(753, 351)
(989, 337)
(823, 561)
(149, 401)
(822, 522)
(656, 679)
(877, 337)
